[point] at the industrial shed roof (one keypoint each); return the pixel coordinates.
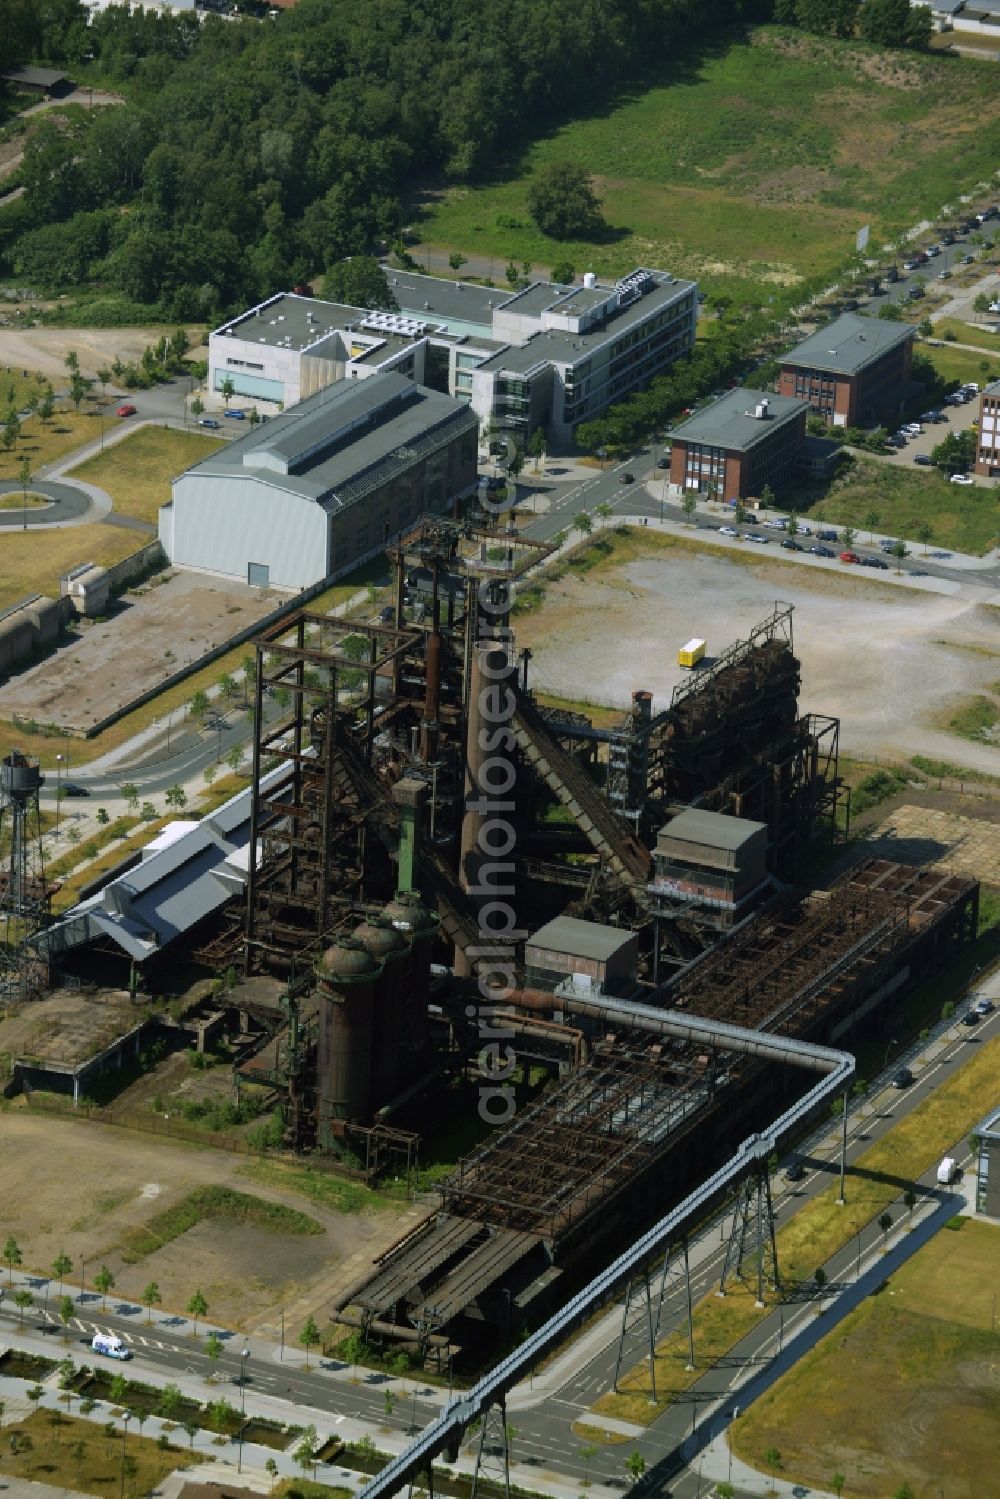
(712, 829)
(581, 939)
(730, 421)
(146, 907)
(336, 445)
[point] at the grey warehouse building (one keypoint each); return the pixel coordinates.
(321, 487)
(547, 355)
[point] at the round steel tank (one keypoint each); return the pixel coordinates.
(19, 777)
(349, 977)
(408, 913)
(391, 947)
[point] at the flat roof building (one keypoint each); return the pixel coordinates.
(547, 355)
(711, 859)
(854, 372)
(988, 442)
(322, 486)
(587, 953)
(988, 1155)
(739, 443)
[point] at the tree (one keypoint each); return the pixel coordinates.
(635, 1466)
(104, 1282)
(117, 1389)
(176, 796)
(456, 260)
(562, 202)
(837, 1484)
(847, 537)
(209, 774)
(104, 375)
(309, 1337)
(213, 1348)
(924, 534)
(389, 1400)
(904, 1492)
(767, 497)
(739, 513)
(910, 1201)
(129, 793)
(148, 811)
(689, 503)
(981, 304)
(199, 705)
(254, 417)
(360, 282)
(819, 1276)
(103, 817)
(11, 1256)
(588, 1454)
(22, 1300)
(78, 388)
(227, 390)
(512, 274)
(925, 327)
(305, 1453)
(899, 551)
(47, 405)
(956, 452)
(65, 1310)
(871, 521)
(151, 1297)
(191, 1431)
(792, 528)
(536, 446)
(197, 1307)
(197, 407)
(235, 758)
(773, 1459)
(885, 1223)
(563, 272)
(61, 1266)
(582, 522)
(885, 22)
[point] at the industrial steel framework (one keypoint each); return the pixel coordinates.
(25, 895)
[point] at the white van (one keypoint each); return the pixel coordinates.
(109, 1345)
(947, 1171)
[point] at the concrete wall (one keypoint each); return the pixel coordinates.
(224, 523)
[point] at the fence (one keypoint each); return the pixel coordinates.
(973, 784)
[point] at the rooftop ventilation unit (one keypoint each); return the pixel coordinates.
(631, 288)
(393, 322)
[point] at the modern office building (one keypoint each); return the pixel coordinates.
(988, 450)
(740, 443)
(988, 1154)
(854, 372)
(547, 355)
(323, 486)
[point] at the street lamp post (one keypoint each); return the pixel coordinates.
(126, 1419)
(83, 1276)
(59, 761)
(885, 1059)
(243, 1402)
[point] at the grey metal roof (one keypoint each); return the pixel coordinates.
(730, 422)
(990, 1125)
(848, 344)
(148, 906)
(581, 939)
(712, 829)
(345, 440)
(435, 299)
(991, 390)
(34, 77)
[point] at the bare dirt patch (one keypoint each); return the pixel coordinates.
(45, 349)
(78, 1186)
(872, 657)
(151, 636)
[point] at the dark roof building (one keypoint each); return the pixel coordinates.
(988, 449)
(854, 372)
(740, 443)
(44, 80)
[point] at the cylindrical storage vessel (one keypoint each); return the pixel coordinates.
(408, 913)
(19, 776)
(347, 986)
(390, 946)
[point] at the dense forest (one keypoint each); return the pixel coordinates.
(251, 154)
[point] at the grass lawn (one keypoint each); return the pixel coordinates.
(747, 163)
(18, 501)
(816, 1232)
(958, 364)
(968, 333)
(32, 561)
(79, 1455)
(977, 718)
(137, 471)
(43, 442)
(213, 1202)
(904, 1390)
(904, 498)
(17, 389)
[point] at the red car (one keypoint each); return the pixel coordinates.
(849, 557)
(126, 411)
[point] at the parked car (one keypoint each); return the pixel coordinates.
(910, 265)
(962, 479)
(875, 562)
(913, 428)
(236, 415)
(971, 1017)
(896, 441)
(826, 536)
(849, 557)
(795, 1172)
(663, 462)
(126, 410)
(821, 551)
(944, 275)
(728, 531)
(71, 788)
(903, 1078)
(915, 292)
(923, 460)
(931, 251)
(209, 421)
(761, 541)
(792, 546)
(892, 274)
(777, 524)
(984, 1005)
(967, 259)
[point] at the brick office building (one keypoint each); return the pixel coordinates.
(988, 450)
(854, 372)
(740, 443)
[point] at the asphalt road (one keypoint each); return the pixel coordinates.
(68, 503)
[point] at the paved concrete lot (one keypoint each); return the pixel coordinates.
(150, 637)
(967, 845)
(887, 662)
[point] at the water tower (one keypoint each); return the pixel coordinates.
(24, 894)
